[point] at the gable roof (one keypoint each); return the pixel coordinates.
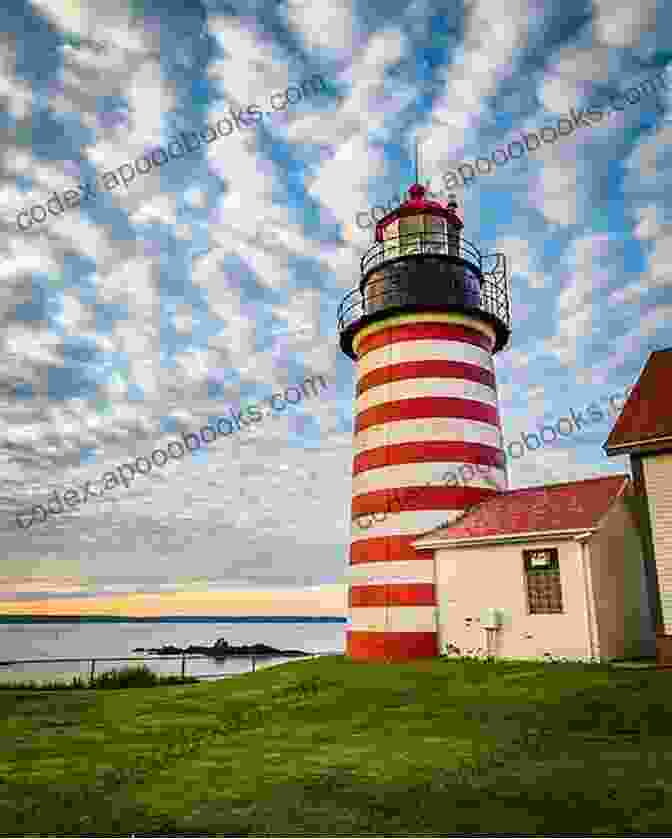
(579, 505)
(646, 417)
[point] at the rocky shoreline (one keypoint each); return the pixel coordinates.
(221, 649)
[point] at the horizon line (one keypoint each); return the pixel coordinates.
(4, 618)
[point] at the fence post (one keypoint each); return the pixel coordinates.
(184, 659)
(253, 664)
(93, 669)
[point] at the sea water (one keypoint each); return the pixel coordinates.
(93, 639)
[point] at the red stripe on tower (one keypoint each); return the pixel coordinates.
(392, 646)
(401, 594)
(425, 370)
(385, 549)
(432, 450)
(419, 331)
(418, 498)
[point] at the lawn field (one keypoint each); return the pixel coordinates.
(332, 747)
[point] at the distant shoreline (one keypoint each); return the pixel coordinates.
(6, 619)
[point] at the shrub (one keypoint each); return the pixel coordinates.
(77, 682)
(126, 677)
(453, 652)
(136, 676)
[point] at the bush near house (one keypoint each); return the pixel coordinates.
(334, 747)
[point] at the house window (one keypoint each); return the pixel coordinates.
(542, 578)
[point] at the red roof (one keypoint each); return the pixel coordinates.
(647, 413)
(575, 505)
(417, 203)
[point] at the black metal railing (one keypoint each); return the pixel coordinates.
(485, 292)
(253, 658)
(421, 243)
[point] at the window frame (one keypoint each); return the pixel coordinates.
(529, 572)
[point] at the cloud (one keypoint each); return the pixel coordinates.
(329, 27)
(618, 24)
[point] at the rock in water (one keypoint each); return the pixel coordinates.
(222, 649)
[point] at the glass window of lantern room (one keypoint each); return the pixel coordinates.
(411, 234)
(391, 240)
(435, 234)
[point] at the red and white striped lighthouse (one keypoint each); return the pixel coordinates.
(422, 328)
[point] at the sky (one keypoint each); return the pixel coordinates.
(213, 281)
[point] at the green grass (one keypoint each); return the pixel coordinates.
(331, 747)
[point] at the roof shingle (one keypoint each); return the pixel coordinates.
(568, 506)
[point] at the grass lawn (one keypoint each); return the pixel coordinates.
(332, 747)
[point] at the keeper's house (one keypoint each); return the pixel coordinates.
(644, 431)
(555, 569)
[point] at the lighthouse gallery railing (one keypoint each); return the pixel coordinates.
(494, 288)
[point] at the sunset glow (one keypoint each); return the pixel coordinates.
(328, 600)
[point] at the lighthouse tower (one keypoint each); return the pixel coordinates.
(422, 327)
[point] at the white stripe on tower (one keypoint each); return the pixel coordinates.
(411, 523)
(425, 350)
(415, 571)
(394, 619)
(426, 408)
(434, 473)
(419, 431)
(417, 388)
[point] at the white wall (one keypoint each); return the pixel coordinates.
(625, 625)
(658, 479)
(472, 579)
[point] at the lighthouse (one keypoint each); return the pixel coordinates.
(422, 326)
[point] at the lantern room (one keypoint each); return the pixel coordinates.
(402, 229)
(420, 260)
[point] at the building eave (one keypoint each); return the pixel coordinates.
(642, 445)
(433, 543)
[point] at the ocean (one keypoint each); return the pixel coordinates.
(25, 638)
